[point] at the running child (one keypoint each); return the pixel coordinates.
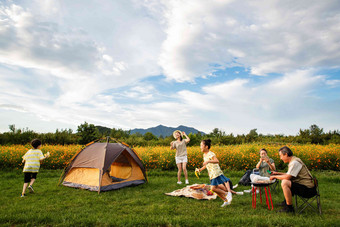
(32, 160)
(219, 183)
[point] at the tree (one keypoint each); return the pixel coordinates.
(119, 133)
(228, 139)
(217, 133)
(195, 139)
(12, 128)
(87, 133)
(252, 135)
(303, 136)
(334, 137)
(149, 136)
(316, 134)
(63, 136)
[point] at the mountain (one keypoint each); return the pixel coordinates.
(166, 131)
(159, 130)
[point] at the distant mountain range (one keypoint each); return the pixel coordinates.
(159, 130)
(166, 131)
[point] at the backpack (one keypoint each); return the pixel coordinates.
(245, 179)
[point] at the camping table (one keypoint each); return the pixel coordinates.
(266, 187)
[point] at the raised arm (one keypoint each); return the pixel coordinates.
(271, 165)
(258, 164)
(45, 156)
(187, 139)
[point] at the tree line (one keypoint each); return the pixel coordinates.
(88, 132)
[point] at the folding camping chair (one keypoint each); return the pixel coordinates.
(274, 186)
(307, 202)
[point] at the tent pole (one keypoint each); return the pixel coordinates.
(100, 180)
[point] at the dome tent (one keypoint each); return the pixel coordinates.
(103, 167)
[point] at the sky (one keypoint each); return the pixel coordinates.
(233, 65)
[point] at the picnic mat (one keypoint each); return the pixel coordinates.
(196, 191)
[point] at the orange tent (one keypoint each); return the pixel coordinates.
(104, 166)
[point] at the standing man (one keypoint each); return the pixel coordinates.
(298, 180)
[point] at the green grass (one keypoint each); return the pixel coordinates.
(147, 205)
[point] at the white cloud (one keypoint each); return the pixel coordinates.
(273, 106)
(55, 66)
(265, 36)
(71, 52)
(12, 107)
(140, 92)
(62, 64)
(333, 83)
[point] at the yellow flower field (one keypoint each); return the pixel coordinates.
(242, 157)
(235, 157)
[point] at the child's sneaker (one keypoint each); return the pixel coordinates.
(23, 195)
(235, 186)
(31, 188)
(179, 182)
(226, 203)
(186, 181)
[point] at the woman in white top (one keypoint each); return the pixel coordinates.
(181, 154)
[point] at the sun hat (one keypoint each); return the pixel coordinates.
(174, 133)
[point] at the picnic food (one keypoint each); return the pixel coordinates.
(197, 186)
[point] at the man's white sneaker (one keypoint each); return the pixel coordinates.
(247, 191)
(179, 182)
(186, 181)
(239, 193)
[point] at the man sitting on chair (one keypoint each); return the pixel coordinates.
(298, 180)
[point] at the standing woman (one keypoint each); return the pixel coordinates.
(181, 154)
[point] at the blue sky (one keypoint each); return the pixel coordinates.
(232, 65)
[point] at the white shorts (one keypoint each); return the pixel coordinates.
(181, 159)
(255, 178)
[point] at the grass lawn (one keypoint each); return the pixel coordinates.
(53, 205)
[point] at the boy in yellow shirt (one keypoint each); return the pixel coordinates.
(32, 160)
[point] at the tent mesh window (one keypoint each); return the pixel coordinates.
(120, 169)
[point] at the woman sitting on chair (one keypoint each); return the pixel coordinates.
(261, 172)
